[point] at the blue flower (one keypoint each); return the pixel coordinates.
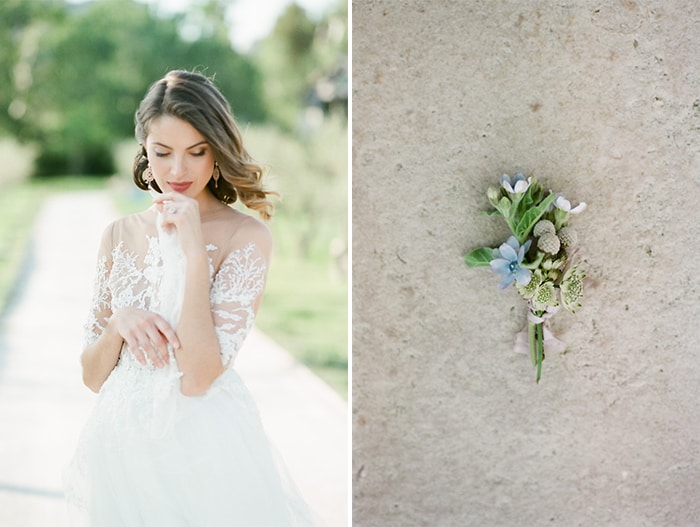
(507, 260)
(517, 185)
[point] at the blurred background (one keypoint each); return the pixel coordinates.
(72, 73)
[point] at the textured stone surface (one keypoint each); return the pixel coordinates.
(601, 100)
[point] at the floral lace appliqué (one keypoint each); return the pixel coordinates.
(235, 288)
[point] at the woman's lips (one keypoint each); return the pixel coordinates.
(180, 187)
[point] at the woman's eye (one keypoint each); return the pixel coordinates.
(199, 153)
(161, 154)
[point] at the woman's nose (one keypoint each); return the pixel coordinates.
(178, 166)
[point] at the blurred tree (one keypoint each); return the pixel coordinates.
(21, 23)
(91, 71)
(284, 58)
(296, 30)
(205, 19)
(304, 63)
(327, 95)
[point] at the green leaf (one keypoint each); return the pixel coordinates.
(532, 195)
(531, 217)
(493, 194)
(504, 206)
(491, 213)
(479, 257)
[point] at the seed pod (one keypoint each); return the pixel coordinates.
(543, 227)
(549, 243)
(567, 237)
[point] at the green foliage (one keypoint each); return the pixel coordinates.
(282, 60)
(296, 55)
(21, 23)
(295, 29)
(528, 219)
(311, 175)
(479, 257)
(71, 75)
(305, 309)
(521, 210)
(91, 159)
(91, 68)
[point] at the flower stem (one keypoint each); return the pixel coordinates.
(531, 333)
(540, 349)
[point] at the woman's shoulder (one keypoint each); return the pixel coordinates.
(127, 226)
(240, 229)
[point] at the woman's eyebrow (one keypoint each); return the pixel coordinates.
(170, 147)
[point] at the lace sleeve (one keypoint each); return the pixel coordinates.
(101, 307)
(236, 293)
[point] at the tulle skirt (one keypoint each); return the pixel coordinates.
(151, 457)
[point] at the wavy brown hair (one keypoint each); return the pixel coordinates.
(193, 98)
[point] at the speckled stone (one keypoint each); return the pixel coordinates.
(601, 101)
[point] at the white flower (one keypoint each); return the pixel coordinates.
(517, 185)
(564, 204)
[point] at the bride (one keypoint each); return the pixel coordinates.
(175, 439)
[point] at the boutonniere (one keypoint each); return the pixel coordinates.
(537, 258)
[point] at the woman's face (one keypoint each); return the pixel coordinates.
(180, 158)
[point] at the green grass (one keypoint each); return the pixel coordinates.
(305, 310)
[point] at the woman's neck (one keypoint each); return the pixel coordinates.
(209, 205)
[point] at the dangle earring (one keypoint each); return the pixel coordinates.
(148, 175)
(216, 175)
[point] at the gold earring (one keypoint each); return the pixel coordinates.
(216, 175)
(148, 175)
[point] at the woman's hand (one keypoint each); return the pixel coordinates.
(147, 334)
(182, 213)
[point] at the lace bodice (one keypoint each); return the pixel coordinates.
(130, 270)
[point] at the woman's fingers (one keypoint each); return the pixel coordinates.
(157, 345)
(137, 351)
(167, 332)
(171, 196)
(172, 204)
(181, 213)
(142, 355)
(147, 334)
(154, 353)
(159, 336)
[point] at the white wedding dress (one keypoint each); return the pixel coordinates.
(150, 456)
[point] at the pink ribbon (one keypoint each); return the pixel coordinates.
(552, 344)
